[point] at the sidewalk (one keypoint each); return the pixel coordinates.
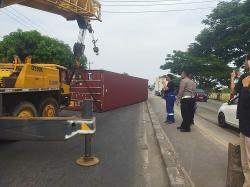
(204, 159)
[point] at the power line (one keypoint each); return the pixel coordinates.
(156, 11)
(20, 19)
(168, 4)
(28, 19)
(13, 18)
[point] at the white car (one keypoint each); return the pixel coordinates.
(227, 114)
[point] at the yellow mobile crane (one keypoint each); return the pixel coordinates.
(29, 90)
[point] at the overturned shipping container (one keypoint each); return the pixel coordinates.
(107, 89)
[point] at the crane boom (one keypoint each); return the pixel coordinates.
(80, 10)
(70, 9)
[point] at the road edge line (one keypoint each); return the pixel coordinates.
(178, 176)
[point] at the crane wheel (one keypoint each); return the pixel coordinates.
(48, 108)
(25, 110)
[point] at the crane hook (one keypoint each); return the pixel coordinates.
(95, 49)
(94, 41)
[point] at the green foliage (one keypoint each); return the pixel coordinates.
(208, 71)
(83, 62)
(176, 80)
(224, 40)
(43, 49)
(151, 87)
(226, 90)
(227, 33)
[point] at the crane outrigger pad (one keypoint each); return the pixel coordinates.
(87, 161)
(40, 128)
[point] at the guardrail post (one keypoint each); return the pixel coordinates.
(235, 176)
(1, 104)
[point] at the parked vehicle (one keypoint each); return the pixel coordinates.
(227, 113)
(201, 95)
(159, 86)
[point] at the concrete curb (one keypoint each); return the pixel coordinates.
(178, 177)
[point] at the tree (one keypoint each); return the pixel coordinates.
(83, 62)
(225, 40)
(208, 71)
(43, 49)
(151, 87)
(227, 33)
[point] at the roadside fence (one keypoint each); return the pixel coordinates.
(220, 96)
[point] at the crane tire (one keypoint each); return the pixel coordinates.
(48, 108)
(24, 110)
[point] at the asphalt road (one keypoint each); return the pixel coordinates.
(203, 152)
(127, 148)
(209, 112)
(123, 142)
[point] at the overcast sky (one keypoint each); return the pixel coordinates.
(133, 43)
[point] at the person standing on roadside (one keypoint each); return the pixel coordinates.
(234, 80)
(243, 111)
(244, 122)
(195, 104)
(186, 96)
(170, 98)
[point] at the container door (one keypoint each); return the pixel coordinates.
(87, 85)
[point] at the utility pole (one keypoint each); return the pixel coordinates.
(89, 63)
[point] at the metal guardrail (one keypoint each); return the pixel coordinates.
(220, 96)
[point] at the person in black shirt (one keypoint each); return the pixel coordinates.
(244, 121)
(170, 98)
(243, 111)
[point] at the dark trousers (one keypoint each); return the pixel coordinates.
(195, 107)
(187, 112)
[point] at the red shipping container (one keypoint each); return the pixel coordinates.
(107, 89)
